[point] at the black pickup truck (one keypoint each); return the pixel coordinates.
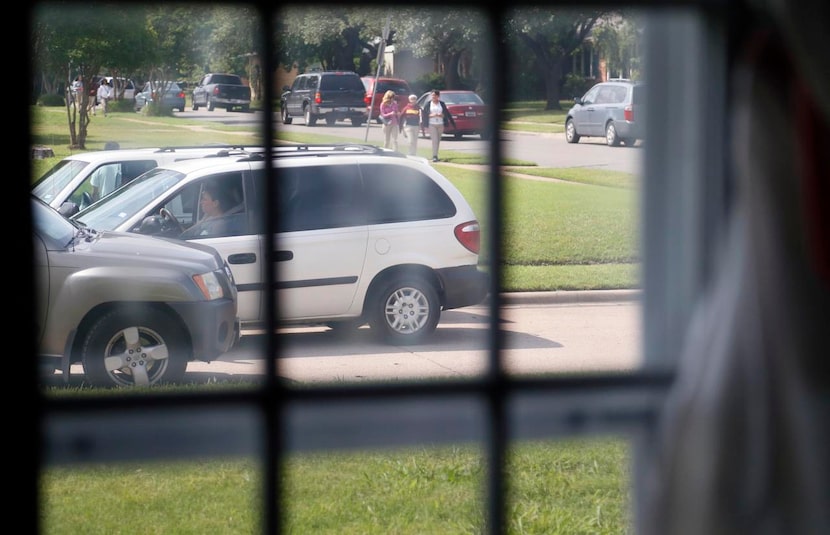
(221, 90)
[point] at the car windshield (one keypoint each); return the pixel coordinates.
(55, 230)
(57, 178)
(126, 201)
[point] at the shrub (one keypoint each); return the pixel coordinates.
(576, 86)
(121, 105)
(51, 100)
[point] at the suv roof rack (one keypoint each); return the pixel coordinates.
(217, 146)
(242, 153)
(332, 149)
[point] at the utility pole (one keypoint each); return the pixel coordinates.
(381, 50)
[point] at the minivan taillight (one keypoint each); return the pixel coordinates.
(317, 98)
(628, 113)
(367, 99)
(469, 235)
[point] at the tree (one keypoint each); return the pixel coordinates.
(332, 38)
(451, 37)
(83, 40)
(552, 37)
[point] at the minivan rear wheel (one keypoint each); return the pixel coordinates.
(611, 137)
(404, 310)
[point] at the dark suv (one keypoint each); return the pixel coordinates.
(611, 110)
(330, 95)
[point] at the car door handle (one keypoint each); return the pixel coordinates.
(242, 258)
(283, 256)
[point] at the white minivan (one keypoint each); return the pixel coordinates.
(364, 234)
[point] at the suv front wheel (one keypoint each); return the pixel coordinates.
(134, 348)
(404, 310)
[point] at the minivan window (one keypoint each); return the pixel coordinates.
(390, 201)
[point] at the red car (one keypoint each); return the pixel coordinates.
(468, 111)
(379, 86)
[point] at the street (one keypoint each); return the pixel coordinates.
(590, 336)
(546, 150)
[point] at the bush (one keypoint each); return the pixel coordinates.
(576, 86)
(121, 105)
(51, 100)
(156, 110)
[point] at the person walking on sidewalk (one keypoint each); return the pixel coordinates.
(389, 115)
(411, 123)
(436, 116)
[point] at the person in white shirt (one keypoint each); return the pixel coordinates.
(436, 116)
(104, 94)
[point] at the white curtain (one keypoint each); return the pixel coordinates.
(743, 444)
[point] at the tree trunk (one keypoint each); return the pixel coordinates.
(553, 79)
(451, 78)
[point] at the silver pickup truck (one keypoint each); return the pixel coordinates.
(221, 90)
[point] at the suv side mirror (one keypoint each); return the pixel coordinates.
(68, 209)
(151, 225)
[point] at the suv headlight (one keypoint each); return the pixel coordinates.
(209, 286)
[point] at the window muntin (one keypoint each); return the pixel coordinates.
(587, 386)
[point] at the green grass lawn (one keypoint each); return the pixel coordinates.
(569, 487)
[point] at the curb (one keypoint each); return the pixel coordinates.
(569, 297)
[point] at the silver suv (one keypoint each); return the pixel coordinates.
(365, 235)
(612, 110)
(133, 310)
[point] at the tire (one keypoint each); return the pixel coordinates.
(136, 347)
(286, 119)
(310, 119)
(404, 310)
(195, 106)
(331, 121)
(210, 106)
(570, 132)
(229, 108)
(356, 121)
(611, 137)
(457, 136)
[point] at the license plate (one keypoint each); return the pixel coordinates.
(470, 114)
(342, 109)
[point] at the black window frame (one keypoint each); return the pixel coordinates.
(275, 419)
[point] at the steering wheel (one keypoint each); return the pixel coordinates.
(168, 217)
(86, 199)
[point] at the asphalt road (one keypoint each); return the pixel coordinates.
(546, 150)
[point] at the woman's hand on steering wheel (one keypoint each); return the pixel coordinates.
(167, 216)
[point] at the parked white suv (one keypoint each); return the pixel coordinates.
(365, 235)
(78, 180)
